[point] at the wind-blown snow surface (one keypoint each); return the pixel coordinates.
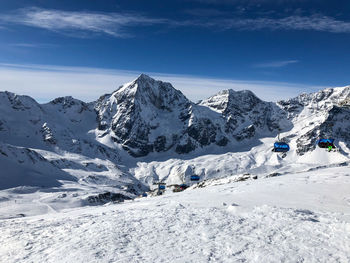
(300, 217)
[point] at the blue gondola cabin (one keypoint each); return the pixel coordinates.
(195, 178)
(280, 147)
(325, 143)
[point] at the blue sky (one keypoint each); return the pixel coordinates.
(50, 48)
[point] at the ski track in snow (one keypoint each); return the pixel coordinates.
(254, 221)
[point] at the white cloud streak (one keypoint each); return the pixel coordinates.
(32, 45)
(276, 64)
(48, 82)
(68, 21)
(87, 24)
(314, 23)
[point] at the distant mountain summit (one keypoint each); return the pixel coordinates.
(245, 115)
(229, 100)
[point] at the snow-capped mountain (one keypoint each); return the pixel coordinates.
(143, 116)
(324, 114)
(246, 115)
(151, 116)
(148, 131)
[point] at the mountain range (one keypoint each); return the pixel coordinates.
(148, 131)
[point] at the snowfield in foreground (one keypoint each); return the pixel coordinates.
(300, 217)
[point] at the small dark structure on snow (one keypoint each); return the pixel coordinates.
(179, 188)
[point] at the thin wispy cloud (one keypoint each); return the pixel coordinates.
(205, 12)
(82, 24)
(112, 24)
(48, 82)
(32, 45)
(275, 64)
(314, 23)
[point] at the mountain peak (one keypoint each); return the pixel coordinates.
(146, 89)
(229, 98)
(232, 94)
(66, 101)
(240, 93)
(20, 102)
(144, 77)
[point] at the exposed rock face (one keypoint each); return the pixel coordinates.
(336, 126)
(47, 134)
(324, 114)
(245, 114)
(144, 115)
(107, 197)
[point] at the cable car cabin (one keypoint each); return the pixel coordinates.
(325, 143)
(161, 187)
(195, 178)
(280, 147)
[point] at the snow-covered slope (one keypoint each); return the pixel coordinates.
(25, 167)
(45, 145)
(298, 217)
